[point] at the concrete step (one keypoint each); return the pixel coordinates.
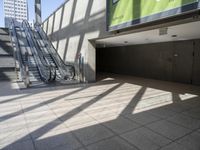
(7, 75)
(6, 61)
(5, 43)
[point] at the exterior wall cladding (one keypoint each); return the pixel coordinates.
(72, 26)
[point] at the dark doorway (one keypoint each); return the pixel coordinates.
(183, 61)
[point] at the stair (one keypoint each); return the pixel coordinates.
(7, 63)
(34, 75)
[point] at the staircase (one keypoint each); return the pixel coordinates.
(7, 63)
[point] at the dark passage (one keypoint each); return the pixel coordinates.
(170, 61)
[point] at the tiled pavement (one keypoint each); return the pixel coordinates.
(118, 113)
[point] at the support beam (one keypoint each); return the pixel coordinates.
(38, 18)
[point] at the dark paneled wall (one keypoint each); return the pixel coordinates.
(171, 61)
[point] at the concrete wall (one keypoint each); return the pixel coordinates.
(72, 26)
(171, 61)
(75, 25)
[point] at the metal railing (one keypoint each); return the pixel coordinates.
(67, 71)
(23, 64)
(47, 71)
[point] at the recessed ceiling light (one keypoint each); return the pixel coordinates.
(174, 35)
(125, 42)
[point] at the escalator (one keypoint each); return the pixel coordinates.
(27, 56)
(36, 59)
(65, 72)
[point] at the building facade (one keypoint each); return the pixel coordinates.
(15, 9)
(151, 39)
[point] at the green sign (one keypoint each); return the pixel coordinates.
(126, 13)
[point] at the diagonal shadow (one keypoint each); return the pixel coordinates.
(41, 131)
(134, 101)
(176, 98)
(14, 99)
(9, 116)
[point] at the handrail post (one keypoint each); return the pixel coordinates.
(27, 80)
(24, 70)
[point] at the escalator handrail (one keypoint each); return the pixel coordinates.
(42, 66)
(42, 56)
(24, 69)
(59, 62)
(46, 77)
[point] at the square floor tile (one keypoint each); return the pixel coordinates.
(65, 147)
(121, 125)
(168, 129)
(13, 136)
(192, 113)
(114, 143)
(57, 140)
(174, 146)
(191, 142)
(162, 112)
(145, 139)
(143, 118)
(37, 131)
(24, 145)
(92, 134)
(185, 121)
(78, 120)
(178, 107)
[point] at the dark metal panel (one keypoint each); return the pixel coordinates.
(196, 66)
(183, 61)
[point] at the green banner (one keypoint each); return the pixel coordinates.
(125, 13)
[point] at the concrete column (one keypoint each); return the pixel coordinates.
(38, 18)
(90, 62)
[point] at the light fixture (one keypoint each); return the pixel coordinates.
(174, 36)
(163, 31)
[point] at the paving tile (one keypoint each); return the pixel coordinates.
(193, 103)
(121, 125)
(78, 120)
(65, 147)
(44, 107)
(104, 116)
(174, 146)
(92, 134)
(192, 113)
(178, 107)
(185, 121)
(143, 118)
(145, 139)
(24, 145)
(14, 136)
(191, 142)
(114, 143)
(40, 117)
(37, 131)
(162, 112)
(168, 129)
(58, 139)
(81, 126)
